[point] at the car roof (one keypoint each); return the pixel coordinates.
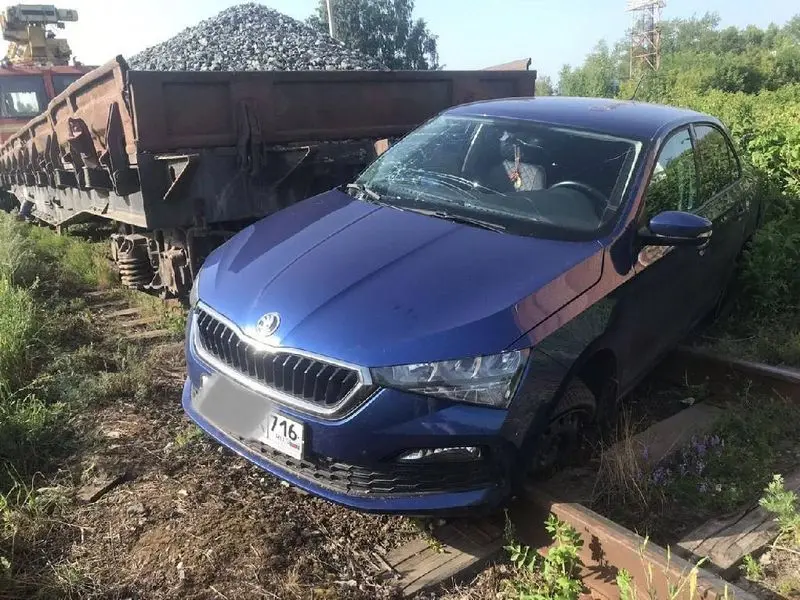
(623, 118)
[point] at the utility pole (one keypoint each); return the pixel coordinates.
(330, 18)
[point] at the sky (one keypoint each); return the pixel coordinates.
(472, 33)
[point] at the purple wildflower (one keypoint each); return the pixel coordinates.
(659, 476)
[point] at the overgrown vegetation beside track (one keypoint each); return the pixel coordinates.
(750, 79)
(764, 322)
(46, 364)
(716, 473)
(84, 406)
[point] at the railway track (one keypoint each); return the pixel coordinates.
(465, 547)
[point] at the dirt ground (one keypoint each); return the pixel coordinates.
(188, 519)
(780, 575)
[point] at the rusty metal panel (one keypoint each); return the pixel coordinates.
(51, 141)
(89, 99)
(193, 110)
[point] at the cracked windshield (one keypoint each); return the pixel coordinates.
(517, 176)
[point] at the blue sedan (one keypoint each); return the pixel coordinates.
(428, 337)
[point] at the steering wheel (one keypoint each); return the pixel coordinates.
(594, 194)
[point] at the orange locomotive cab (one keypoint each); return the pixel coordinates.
(25, 91)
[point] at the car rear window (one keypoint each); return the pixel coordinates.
(531, 178)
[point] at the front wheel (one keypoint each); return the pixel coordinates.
(568, 432)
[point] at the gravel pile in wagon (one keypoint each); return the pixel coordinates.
(251, 37)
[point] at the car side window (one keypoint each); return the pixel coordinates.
(717, 161)
(673, 185)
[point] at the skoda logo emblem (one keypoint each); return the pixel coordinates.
(268, 324)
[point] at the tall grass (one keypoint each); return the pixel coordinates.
(18, 329)
(34, 425)
(16, 254)
(75, 262)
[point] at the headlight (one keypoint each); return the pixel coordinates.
(194, 294)
(487, 380)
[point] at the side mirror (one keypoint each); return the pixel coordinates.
(676, 228)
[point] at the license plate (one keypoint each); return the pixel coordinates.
(285, 435)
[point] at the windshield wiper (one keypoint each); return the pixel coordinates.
(373, 196)
(441, 214)
(360, 187)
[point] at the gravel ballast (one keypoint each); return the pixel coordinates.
(251, 37)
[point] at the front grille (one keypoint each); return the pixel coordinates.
(314, 381)
(395, 479)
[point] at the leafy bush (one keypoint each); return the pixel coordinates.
(766, 127)
(783, 504)
(554, 576)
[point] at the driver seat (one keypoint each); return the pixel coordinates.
(532, 177)
(520, 161)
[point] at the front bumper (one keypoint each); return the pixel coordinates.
(351, 461)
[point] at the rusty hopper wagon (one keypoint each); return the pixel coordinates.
(179, 161)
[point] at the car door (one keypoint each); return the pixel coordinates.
(658, 305)
(721, 200)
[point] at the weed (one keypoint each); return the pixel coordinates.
(624, 472)
(728, 468)
(42, 356)
(554, 576)
(169, 317)
(789, 586)
(16, 254)
(174, 321)
(712, 474)
(72, 261)
(684, 587)
(425, 528)
(18, 331)
(783, 504)
(187, 435)
(32, 433)
(125, 373)
(751, 568)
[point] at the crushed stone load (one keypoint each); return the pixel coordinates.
(251, 37)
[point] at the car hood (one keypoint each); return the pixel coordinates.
(376, 286)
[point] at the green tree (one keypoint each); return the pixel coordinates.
(544, 86)
(384, 29)
(599, 75)
(698, 57)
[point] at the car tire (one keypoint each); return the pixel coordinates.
(569, 433)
